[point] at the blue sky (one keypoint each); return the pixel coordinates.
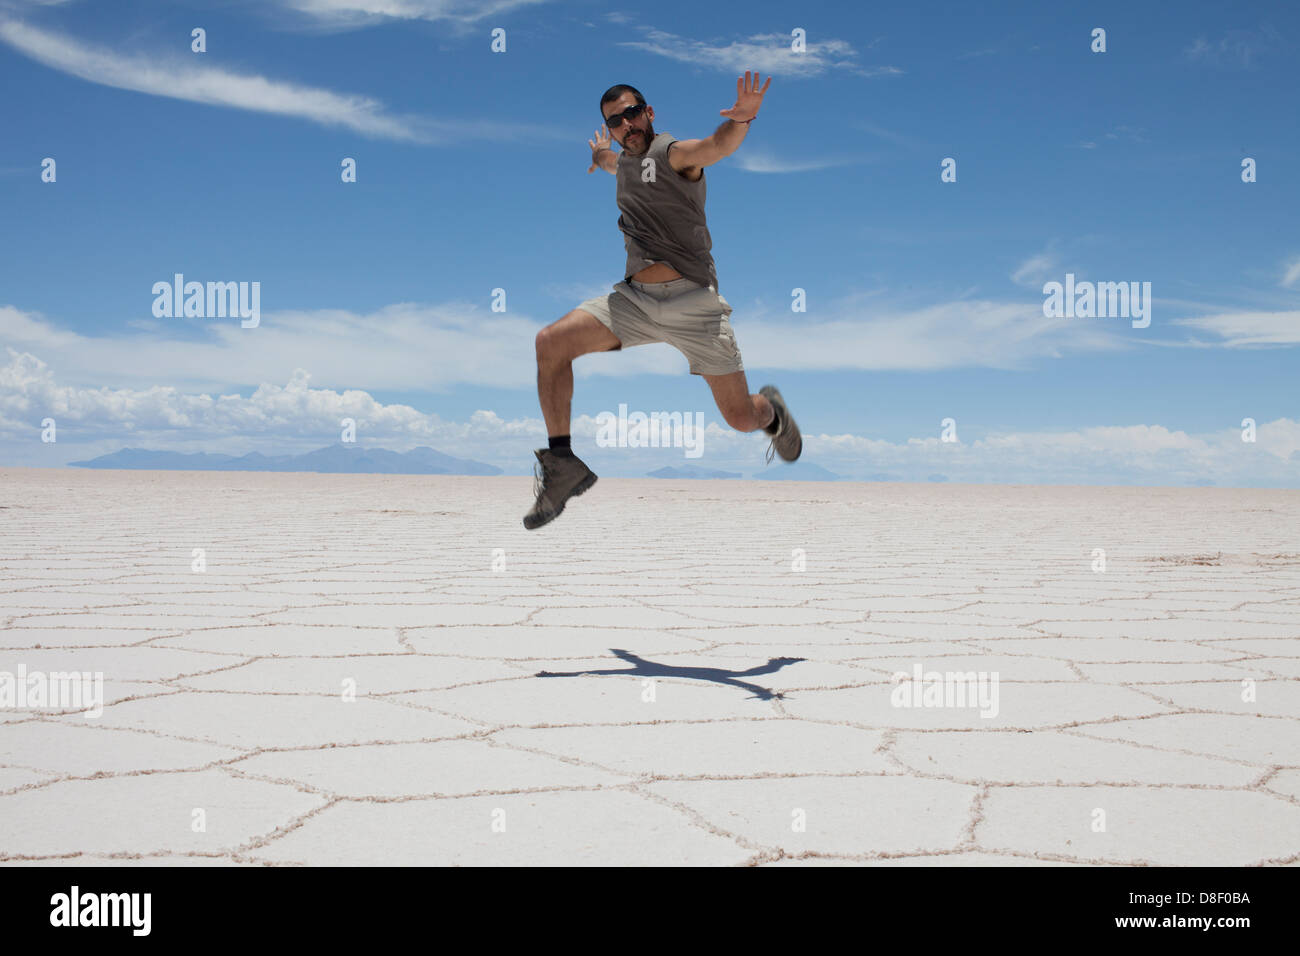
(924, 297)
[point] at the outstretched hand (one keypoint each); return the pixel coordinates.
(600, 142)
(748, 99)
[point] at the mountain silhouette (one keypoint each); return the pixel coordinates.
(338, 458)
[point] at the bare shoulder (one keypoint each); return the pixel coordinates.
(684, 157)
(679, 152)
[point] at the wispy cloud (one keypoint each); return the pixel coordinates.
(181, 80)
(359, 13)
(758, 162)
(435, 348)
(1236, 48)
(768, 53)
(1037, 269)
(295, 417)
(1291, 274)
(1116, 134)
(1131, 134)
(402, 346)
(419, 347)
(968, 333)
(1249, 329)
(897, 139)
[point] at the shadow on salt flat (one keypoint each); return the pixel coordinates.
(645, 668)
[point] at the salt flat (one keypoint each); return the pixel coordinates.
(390, 669)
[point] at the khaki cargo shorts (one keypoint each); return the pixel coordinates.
(690, 317)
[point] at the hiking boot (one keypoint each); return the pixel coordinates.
(557, 478)
(786, 441)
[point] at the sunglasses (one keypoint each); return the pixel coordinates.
(631, 113)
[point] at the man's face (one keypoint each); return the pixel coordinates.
(635, 135)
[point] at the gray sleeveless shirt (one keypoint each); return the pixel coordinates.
(663, 220)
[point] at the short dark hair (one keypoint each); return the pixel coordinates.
(614, 92)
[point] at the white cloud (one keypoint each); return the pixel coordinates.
(1291, 273)
(414, 346)
(363, 12)
(1129, 134)
(575, 292)
(1236, 48)
(754, 161)
(1246, 329)
(402, 346)
(406, 346)
(182, 80)
(1132, 134)
(1129, 454)
(767, 54)
(965, 333)
(1036, 270)
(437, 347)
(296, 417)
(898, 139)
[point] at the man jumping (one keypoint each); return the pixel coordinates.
(669, 292)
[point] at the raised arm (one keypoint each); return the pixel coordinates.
(726, 139)
(601, 154)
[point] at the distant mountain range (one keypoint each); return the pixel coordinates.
(798, 471)
(336, 459)
(692, 471)
(350, 459)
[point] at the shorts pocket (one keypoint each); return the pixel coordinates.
(701, 303)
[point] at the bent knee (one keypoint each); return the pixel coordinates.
(549, 343)
(741, 419)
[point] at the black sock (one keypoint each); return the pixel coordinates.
(559, 444)
(773, 428)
